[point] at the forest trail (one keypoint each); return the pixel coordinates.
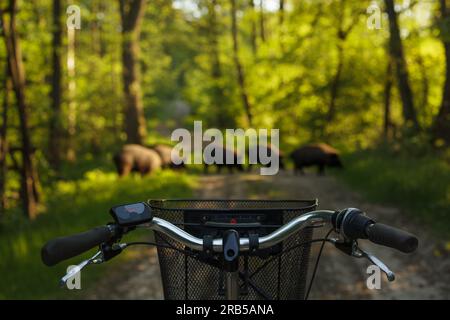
(422, 275)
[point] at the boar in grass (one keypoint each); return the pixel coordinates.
(320, 155)
(165, 152)
(231, 154)
(136, 158)
(270, 149)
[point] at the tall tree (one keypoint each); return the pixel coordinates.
(398, 57)
(71, 90)
(218, 96)
(14, 55)
(342, 34)
(3, 139)
(425, 84)
(281, 27)
(262, 23)
(281, 12)
(441, 126)
(55, 125)
(238, 65)
(131, 13)
(253, 26)
(387, 122)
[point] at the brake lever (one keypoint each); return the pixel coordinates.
(95, 259)
(351, 248)
(360, 253)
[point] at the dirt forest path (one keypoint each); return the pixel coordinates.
(422, 275)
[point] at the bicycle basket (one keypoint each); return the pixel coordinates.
(270, 274)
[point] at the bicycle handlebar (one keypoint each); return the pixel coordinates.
(391, 237)
(351, 223)
(277, 236)
(63, 248)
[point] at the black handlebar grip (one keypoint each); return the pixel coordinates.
(391, 237)
(351, 223)
(63, 248)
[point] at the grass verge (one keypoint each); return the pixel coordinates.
(418, 186)
(73, 207)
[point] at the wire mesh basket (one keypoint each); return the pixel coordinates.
(275, 273)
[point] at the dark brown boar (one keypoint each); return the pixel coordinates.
(136, 158)
(270, 149)
(165, 152)
(235, 165)
(320, 155)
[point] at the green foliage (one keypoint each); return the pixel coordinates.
(73, 206)
(418, 185)
(288, 77)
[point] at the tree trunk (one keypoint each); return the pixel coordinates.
(281, 30)
(4, 141)
(55, 125)
(398, 57)
(342, 34)
(253, 27)
(425, 85)
(335, 83)
(262, 23)
(71, 90)
(15, 63)
(239, 69)
(132, 12)
(441, 126)
(218, 95)
(387, 123)
(281, 13)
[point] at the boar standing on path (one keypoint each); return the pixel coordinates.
(136, 158)
(165, 152)
(320, 155)
(231, 154)
(268, 149)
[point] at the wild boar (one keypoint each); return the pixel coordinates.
(268, 152)
(320, 155)
(165, 152)
(136, 158)
(231, 154)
